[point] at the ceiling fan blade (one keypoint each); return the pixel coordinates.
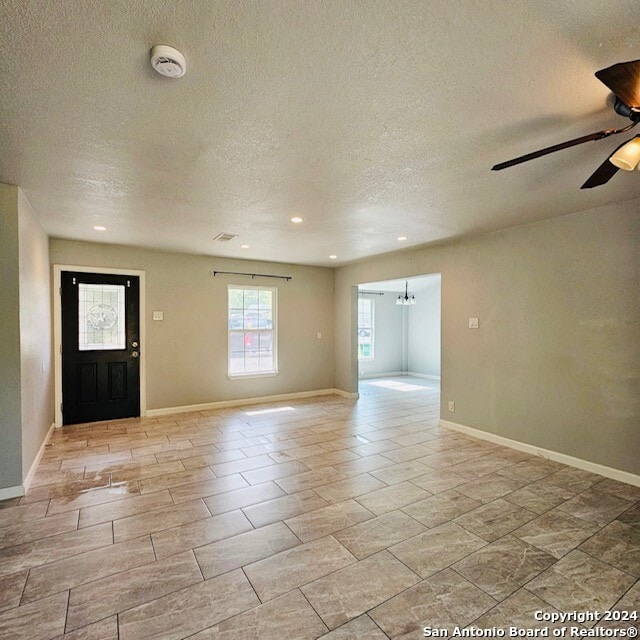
(601, 175)
(624, 81)
(604, 172)
(556, 147)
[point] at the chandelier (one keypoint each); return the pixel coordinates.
(406, 298)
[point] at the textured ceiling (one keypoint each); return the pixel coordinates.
(369, 118)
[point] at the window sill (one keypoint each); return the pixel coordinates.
(243, 376)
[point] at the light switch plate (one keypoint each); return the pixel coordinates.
(473, 323)
(158, 315)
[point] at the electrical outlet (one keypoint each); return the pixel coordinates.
(452, 406)
(319, 335)
(473, 323)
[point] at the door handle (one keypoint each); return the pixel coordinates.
(134, 354)
(134, 344)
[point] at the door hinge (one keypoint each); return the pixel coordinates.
(60, 291)
(60, 348)
(61, 407)
(128, 283)
(74, 280)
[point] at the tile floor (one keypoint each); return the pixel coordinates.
(322, 518)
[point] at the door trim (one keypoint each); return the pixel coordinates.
(57, 331)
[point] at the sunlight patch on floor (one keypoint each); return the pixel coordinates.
(260, 412)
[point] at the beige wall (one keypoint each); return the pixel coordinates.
(26, 387)
(35, 334)
(10, 429)
(187, 352)
(556, 361)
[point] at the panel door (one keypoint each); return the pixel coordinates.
(100, 347)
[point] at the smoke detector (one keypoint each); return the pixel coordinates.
(168, 61)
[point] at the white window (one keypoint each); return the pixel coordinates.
(365, 329)
(252, 331)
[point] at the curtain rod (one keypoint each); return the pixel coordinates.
(371, 293)
(253, 275)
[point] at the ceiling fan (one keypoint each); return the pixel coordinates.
(624, 81)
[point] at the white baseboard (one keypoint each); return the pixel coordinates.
(26, 483)
(152, 413)
(386, 374)
(21, 490)
(11, 492)
(346, 394)
(585, 465)
(427, 376)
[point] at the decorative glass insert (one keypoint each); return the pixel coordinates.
(365, 328)
(252, 331)
(101, 316)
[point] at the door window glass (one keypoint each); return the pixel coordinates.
(101, 316)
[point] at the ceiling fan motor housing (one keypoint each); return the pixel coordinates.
(623, 110)
(168, 61)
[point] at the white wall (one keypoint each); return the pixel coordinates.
(187, 352)
(556, 360)
(423, 333)
(389, 337)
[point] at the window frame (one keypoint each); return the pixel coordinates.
(274, 331)
(373, 332)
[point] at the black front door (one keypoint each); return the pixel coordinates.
(100, 347)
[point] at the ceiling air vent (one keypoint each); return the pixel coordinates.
(224, 237)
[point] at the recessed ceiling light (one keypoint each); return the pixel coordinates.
(296, 219)
(333, 257)
(402, 238)
(99, 228)
(244, 246)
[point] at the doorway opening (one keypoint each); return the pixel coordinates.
(99, 335)
(398, 339)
